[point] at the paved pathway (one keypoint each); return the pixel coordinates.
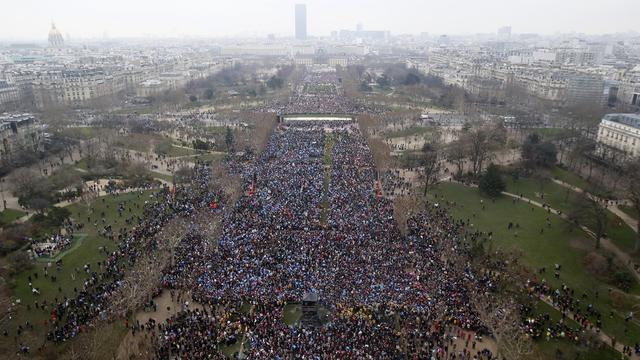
(77, 200)
(633, 223)
(601, 335)
(604, 242)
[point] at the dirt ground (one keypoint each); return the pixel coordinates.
(139, 346)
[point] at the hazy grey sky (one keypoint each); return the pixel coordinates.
(30, 19)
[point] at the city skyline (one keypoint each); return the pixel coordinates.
(31, 19)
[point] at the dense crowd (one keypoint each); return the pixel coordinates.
(318, 93)
(51, 245)
(314, 224)
(311, 222)
(309, 225)
(70, 315)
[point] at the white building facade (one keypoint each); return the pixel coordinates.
(620, 132)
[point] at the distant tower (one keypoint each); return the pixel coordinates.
(301, 21)
(55, 38)
(504, 32)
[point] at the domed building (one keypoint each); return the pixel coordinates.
(55, 38)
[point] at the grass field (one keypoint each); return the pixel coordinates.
(550, 348)
(551, 134)
(563, 199)
(213, 157)
(162, 176)
(91, 250)
(81, 133)
(630, 211)
(138, 142)
(410, 131)
(176, 151)
(569, 177)
(558, 244)
(216, 130)
(543, 191)
(10, 215)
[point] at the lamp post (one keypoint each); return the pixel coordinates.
(4, 202)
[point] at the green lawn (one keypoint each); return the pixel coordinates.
(82, 165)
(138, 142)
(213, 157)
(548, 348)
(176, 151)
(558, 244)
(551, 134)
(410, 131)
(291, 314)
(629, 210)
(10, 215)
(82, 132)
(164, 177)
(89, 250)
(542, 191)
(569, 177)
(563, 199)
(621, 234)
(216, 130)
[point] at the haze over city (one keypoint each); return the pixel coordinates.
(26, 20)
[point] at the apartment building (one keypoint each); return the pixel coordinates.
(619, 133)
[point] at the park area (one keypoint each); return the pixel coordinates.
(86, 256)
(541, 244)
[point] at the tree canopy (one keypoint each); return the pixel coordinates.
(491, 182)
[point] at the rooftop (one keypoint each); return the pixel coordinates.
(632, 120)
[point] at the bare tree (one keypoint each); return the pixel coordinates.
(263, 126)
(589, 212)
(5, 305)
(229, 184)
(55, 117)
(381, 153)
(482, 141)
(632, 187)
(456, 153)
(144, 278)
(431, 165)
(182, 175)
(23, 181)
(404, 207)
(499, 312)
(498, 308)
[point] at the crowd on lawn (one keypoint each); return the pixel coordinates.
(52, 245)
(311, 223)
(318, 93)
(578, 307)
(71, 315)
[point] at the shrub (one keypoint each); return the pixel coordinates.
(623, 280)
(19, 261)
(491, 182)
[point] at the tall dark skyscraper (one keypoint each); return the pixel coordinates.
(301, 21)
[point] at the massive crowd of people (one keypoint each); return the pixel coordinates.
(318, 93)
(70, 315)
(313, 224)
(309, 223)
